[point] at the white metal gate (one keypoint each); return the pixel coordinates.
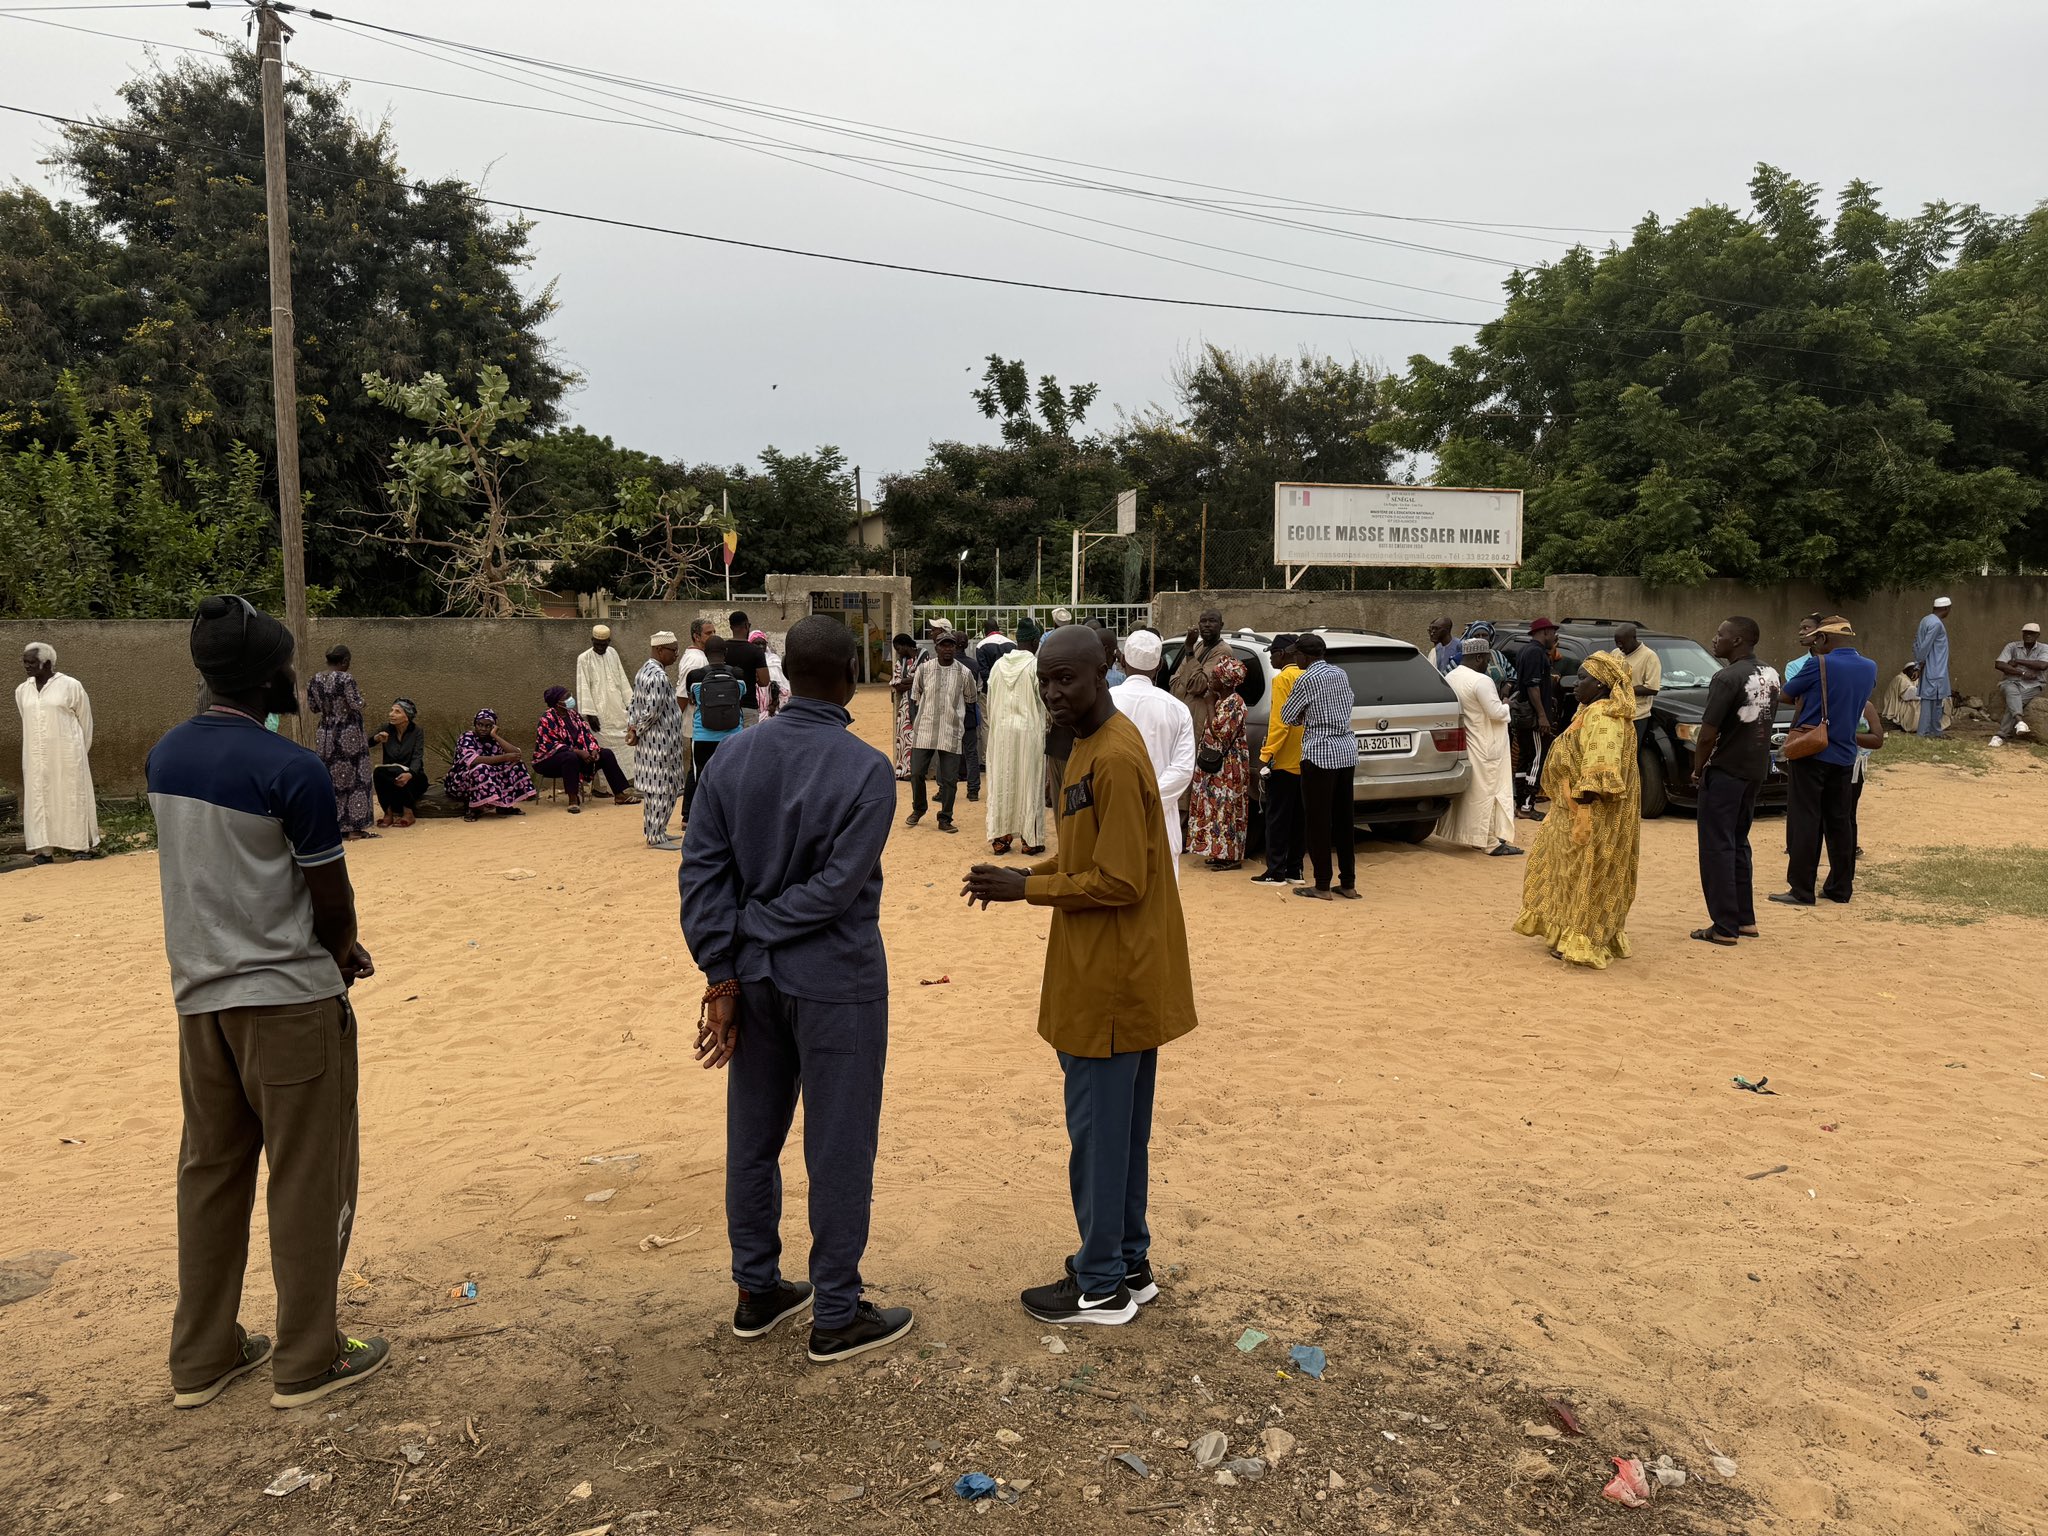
(970, 617)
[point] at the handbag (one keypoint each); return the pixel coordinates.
(1807, 740)
(1209, 760)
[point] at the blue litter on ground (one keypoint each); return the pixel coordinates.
(975, 1485)
(1308, 1359)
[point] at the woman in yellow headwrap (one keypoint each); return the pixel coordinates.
(1581, 877)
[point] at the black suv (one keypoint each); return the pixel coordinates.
(1666, 761)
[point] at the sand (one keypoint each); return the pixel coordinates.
(1397, 1116)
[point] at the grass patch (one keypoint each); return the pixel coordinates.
(1966, 885)
(127, 826)
(1965, 752)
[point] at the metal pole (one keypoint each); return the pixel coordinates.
(1074, 590)
(1038, 575)
(725, 512)
(284, 386)
(1202, 571)
(999, 576)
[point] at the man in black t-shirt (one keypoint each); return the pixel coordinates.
(1536, 713)
(1731, 760)
(751, 662)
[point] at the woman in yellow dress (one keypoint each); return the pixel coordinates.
(1581, 877)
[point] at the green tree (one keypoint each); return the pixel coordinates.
(1240, 424)
(1762, 397)
(488, 561)
(1003, 498)
(89, 528)
(154, 288)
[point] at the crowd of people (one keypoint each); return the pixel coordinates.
(1094, 745)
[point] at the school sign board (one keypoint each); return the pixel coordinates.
(1395, 525)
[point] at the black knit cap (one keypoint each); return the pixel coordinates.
(236, 646)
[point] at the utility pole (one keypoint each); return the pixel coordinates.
(1202, 569)
(284, 384)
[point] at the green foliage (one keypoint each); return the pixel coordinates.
(154, 289)
(486, 562)
(1772, 397)
(89, 528)
(1243, 423)
(797, 515)
(1037, 484)
(1238, 424)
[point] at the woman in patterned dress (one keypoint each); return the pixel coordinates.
(899, 690)
(489, 772)
(341, 742)
(1217, 802)
(1582, 867)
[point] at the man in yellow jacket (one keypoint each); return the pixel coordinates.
(1117, 983)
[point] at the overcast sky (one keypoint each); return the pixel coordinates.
(1582, 113)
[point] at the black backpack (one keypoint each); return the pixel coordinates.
(718, 699)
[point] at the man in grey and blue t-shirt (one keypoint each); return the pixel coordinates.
(260, 926)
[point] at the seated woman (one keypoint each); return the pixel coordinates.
(489, 772)
(565, 748)
(401, 779)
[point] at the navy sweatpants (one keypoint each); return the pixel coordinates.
(1109, 1127)
(832, 1053)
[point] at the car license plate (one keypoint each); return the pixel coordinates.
(1379, 743)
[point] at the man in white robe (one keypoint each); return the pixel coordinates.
(1016, 748)
(57, 807)
(1484, 815)
(1166, 725)
(604, 694)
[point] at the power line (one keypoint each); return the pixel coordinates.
(1391, 311)
(781, 250)
(1594, 333)
(737, 102)
(820, 122)
(763, 148)
(129, 5)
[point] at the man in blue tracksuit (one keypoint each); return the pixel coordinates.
(781, 906)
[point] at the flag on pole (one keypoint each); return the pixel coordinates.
(732, 544)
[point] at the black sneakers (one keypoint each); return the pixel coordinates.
(1066, 1302)
(756, 1315)
(359, 1358)
(255, 1350)
(1138, 1282)
(872, 1327)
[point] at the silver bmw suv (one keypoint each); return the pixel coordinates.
(1411, 744)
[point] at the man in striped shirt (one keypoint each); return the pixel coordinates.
(1320, 703)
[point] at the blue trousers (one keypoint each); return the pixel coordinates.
(833, 1054)
(1930, 714)
(1109, 1129)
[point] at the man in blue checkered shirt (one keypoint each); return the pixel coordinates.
(1321, 704)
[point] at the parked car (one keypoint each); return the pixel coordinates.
(1666, 758)
(1411, 746)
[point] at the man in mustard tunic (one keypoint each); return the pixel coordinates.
(1117, 984)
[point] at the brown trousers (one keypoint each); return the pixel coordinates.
(278, 1083)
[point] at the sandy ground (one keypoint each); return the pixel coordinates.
(1401, 1130)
